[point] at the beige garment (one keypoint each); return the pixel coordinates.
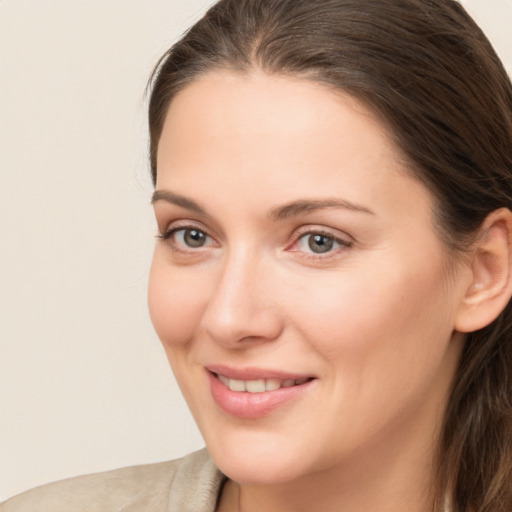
(190, 484)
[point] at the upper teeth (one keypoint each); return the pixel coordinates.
(260, 385)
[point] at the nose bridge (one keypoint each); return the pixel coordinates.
(239, 308)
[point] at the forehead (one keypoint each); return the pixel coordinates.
(225, 110)
(222, 93)
(285, 136)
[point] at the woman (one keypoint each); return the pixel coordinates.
(332, 280)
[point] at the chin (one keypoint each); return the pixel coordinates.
(248, 471)
(263, 461)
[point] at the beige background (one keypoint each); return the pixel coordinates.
(84, 384)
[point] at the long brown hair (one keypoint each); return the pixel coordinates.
(432, 76)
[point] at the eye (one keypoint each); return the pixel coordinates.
(319, 243)
(187, 238)
(191, 237)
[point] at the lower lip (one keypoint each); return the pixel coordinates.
(250, 406)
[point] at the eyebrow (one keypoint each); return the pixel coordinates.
(302, 206)
(292, 209)
(178, 200)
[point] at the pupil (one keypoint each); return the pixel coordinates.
(320, 243)
(194, 238)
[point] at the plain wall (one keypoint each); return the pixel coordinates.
(84, 383)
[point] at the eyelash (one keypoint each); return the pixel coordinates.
(168, 235)
(343, 244)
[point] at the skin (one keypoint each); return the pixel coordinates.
(373, 319)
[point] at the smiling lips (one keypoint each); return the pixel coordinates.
(252, 397)
(260, 385)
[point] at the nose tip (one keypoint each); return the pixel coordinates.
(240, 310)
(230, 329)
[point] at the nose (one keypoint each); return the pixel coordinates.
(241, 308)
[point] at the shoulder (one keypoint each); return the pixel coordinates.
(191, 483)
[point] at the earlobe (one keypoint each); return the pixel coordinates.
(491, 286)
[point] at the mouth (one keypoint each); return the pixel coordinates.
(252, 394)
(260, 385)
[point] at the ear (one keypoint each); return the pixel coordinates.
(491, 285)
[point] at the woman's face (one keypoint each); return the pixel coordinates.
(303, 297)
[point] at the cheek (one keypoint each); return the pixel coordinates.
(176, 303)
(386, 358)
(377, 318)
